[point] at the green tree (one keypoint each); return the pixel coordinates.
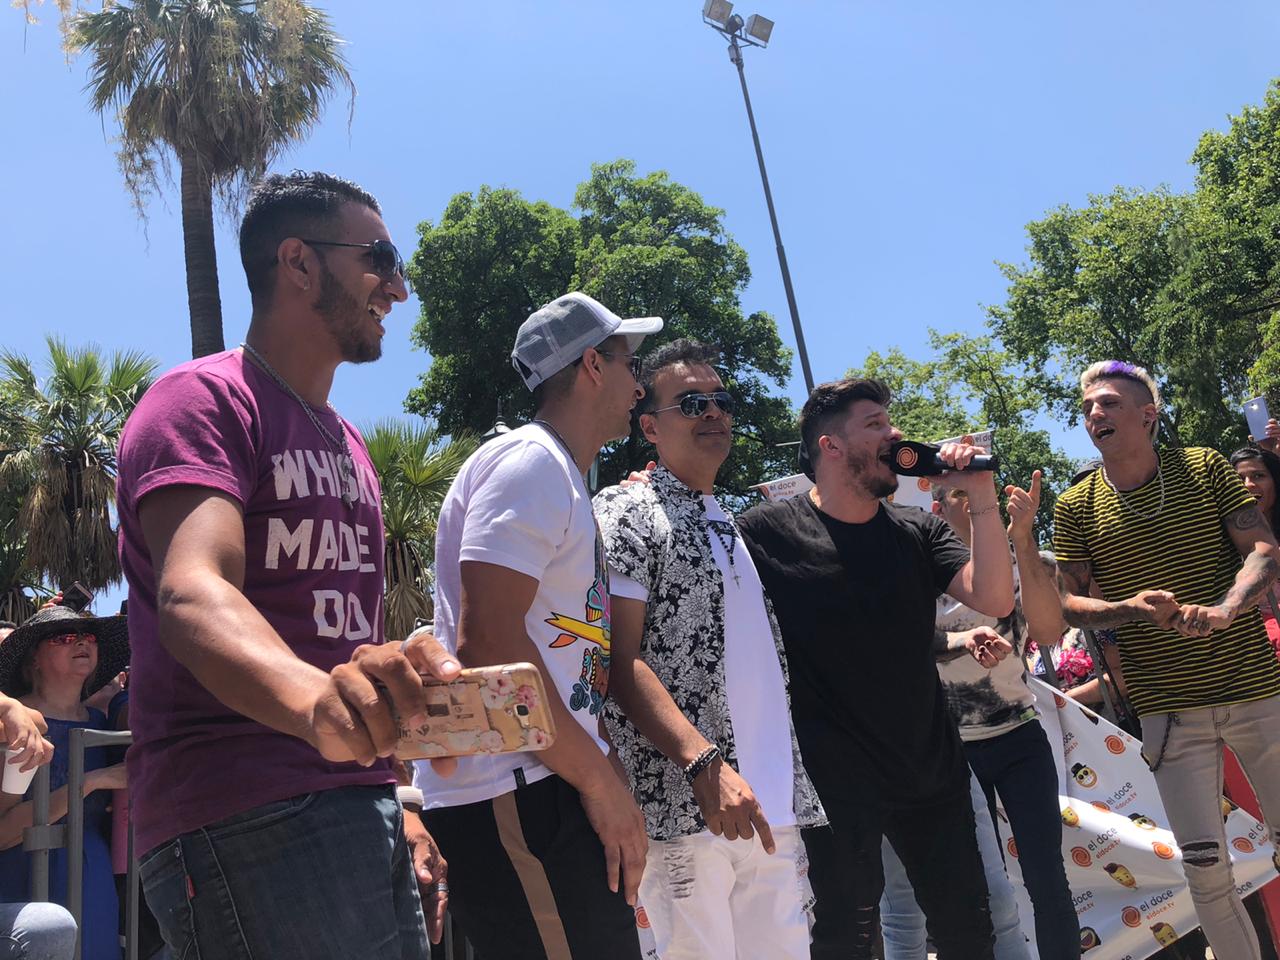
(415, 467)
(63, 463)
(642, 245)
(222, 86)
(1233, 273)
(1093, 291)
(1185, 284)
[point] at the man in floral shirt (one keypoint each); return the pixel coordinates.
(699, 710)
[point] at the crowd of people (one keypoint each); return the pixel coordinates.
(783, 733)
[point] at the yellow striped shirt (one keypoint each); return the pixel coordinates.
(1186, 550)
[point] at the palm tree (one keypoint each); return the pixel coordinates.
(415, 466)
(62, 458)
(17, 579)
(225, 86)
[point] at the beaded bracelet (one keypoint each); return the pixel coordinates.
(701, 762)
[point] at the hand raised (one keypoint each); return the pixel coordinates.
(1022, 506)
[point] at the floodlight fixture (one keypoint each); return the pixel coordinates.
(755, 32)
(717, 11)
(759, 29)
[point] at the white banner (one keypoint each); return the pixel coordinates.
(1123, 865)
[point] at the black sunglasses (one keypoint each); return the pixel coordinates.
(694, 405)
(634, 362)
(386, 259)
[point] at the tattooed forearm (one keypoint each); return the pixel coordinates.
(1081, 610)
(1254, 579)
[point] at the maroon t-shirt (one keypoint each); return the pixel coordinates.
(313, 569)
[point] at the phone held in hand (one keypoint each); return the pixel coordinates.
(497, 709)
(1257, 415)
(76, 597)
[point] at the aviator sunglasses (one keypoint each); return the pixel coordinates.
(694, 405)
(386, 259)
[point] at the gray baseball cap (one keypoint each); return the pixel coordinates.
(555, 335)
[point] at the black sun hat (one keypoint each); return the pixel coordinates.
(113, 645)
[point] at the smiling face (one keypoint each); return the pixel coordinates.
(687, 445)
(352, 299)
(1084, 775)
(1259, 482)
(1118, 414)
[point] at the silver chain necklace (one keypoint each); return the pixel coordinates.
(1130, 507)
(338, 447)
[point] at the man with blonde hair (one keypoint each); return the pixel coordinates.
(1179, 553)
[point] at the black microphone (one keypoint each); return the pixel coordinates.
(912, 459)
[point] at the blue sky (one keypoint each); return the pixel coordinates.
(907, 144)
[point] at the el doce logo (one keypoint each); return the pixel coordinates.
(907, 458)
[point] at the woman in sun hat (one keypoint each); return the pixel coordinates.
(52, 663)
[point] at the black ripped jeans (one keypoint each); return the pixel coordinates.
(938, 847)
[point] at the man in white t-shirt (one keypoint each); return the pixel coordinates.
(699, 711)
(545, 850)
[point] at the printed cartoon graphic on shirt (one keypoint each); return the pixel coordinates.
(592, 686)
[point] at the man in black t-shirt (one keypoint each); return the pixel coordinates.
(853, 581)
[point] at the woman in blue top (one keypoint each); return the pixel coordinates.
(52, 663)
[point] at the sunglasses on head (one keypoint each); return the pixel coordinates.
(386, 259)
(67, 638)
(694, 405)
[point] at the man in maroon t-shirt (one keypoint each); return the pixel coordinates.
(251, 537)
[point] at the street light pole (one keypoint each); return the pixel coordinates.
(732, 28)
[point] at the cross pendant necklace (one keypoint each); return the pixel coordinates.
(728, 538)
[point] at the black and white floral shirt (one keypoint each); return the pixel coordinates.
(656, 534)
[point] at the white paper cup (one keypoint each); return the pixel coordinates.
(15, 781)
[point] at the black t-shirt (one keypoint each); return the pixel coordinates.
(856, 605)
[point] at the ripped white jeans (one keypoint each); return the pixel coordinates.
(708, 898)
(1189, 775)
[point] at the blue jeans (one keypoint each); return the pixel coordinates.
(1019, 766)
(322, 875)
(902, 920)
(36, 931)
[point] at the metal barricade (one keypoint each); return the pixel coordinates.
(41, 837)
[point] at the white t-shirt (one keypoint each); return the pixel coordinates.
(520, 502)
(753, 682)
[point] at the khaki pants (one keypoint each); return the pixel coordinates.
(1189, 775)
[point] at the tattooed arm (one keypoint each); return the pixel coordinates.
(1081, 608)
(1253, 537)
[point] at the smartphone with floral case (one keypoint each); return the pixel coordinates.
(498, 709)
